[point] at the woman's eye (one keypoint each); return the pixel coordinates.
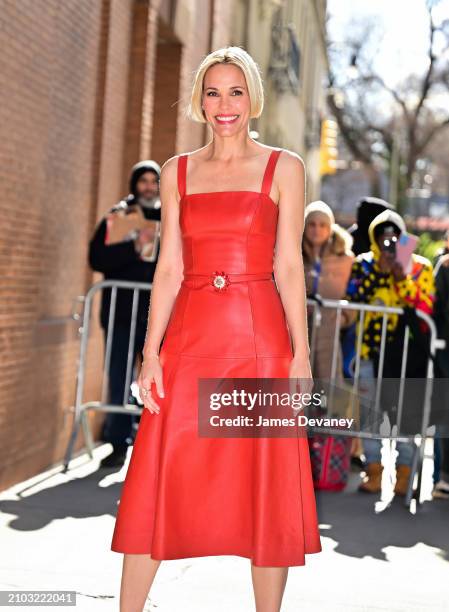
(236, 91)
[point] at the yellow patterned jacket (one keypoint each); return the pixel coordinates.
(369, 285)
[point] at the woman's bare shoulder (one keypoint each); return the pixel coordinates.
(169, 168)
(195, 153)
(169, 171)
(290, 171)
(291, 161)
(172, 162)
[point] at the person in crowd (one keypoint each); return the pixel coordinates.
(328, 261)
(441, 317)
(378, 278)
(327, 257)
(368, 208)
(125, 260)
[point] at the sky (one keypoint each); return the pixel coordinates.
(404, 24)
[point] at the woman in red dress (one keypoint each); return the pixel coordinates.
(232, 214)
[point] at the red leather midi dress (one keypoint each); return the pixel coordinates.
(189, 496)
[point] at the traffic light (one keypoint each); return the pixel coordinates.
(328, 147)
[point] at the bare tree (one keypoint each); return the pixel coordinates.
(382, 124)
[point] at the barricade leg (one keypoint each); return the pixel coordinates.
(87, 433)
(72, 440)
(416, 467)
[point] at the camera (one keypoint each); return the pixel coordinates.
(389, 245)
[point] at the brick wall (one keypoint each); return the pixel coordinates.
(48, 93)
(87, 89)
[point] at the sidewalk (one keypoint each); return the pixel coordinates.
(56, 531)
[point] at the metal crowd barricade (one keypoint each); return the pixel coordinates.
(318, 307)
(81, 406)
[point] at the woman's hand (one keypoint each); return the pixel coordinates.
(150, 372)
(300, 374)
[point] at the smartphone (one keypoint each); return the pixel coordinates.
(405, 246)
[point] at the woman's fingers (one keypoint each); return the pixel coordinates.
(147, 396)
(159, 384)
(150, 382)
(293, 386)
(295, 395)
(151, 405)
(298, 388)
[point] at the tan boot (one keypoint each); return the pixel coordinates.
(402, 479)
(372, 483)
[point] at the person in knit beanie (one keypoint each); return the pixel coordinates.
(126, 260)
(328, 261)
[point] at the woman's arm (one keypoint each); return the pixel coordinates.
(168, 274)
(288, 262)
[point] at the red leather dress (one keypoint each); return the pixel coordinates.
(190, 496)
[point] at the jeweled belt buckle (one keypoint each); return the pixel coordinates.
(220, 280)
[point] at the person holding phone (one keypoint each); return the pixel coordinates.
(380, 277)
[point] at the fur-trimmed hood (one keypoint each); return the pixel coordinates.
(387, 216)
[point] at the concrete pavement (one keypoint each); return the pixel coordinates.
(377, 555)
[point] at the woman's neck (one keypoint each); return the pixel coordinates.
(227, 149)
(317, 250)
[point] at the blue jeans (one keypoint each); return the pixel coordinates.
(118, 428)
(372, 447)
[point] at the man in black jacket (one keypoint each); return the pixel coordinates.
(123, 261)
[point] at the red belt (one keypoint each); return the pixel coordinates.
(220, 280)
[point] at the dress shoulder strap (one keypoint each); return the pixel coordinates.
(269, 171)
(182, 174)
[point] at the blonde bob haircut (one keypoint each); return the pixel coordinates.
(228, 55)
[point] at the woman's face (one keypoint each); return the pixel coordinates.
(317, 230)
(226, 100)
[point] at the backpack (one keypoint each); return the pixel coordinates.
(331, 460)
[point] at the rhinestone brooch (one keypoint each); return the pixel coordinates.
(220, 281)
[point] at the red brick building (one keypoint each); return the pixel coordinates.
(87, 89)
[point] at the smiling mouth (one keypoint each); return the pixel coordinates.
(226, 118)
